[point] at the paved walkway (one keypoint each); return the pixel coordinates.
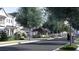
(15, 42)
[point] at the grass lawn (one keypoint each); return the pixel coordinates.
(11, 39)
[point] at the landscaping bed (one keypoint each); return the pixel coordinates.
(68, 47)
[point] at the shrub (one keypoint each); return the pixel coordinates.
(3, 36)
(11, 38)
(24, 35)
(20, 36)
(16, 36)
(69, 47)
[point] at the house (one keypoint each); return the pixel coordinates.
(8, 24)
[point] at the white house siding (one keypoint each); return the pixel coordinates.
(8, 23)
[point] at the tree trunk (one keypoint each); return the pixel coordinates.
(30, 33)
(70, 36)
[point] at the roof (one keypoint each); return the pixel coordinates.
(41, 29)
(13, 14)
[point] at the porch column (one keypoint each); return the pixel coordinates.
(9, 32)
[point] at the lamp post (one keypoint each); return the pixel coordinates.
(67, 23)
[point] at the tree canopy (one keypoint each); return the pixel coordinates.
(55, 26)
(57, 16)
(29, 17)
(62, 13)
(32, 17)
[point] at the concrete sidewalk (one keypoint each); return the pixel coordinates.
(8, 43)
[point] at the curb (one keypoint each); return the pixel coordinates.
(62, 46)
(59, 47)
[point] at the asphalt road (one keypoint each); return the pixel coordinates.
(43, 45)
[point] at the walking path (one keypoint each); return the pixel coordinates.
(8, 43)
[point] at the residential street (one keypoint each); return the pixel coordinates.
(43, 45)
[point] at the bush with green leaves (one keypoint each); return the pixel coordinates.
(20, 36)
(3, 36)
(69, 47)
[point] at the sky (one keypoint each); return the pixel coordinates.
(10, 9)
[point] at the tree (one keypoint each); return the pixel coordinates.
(55, 26)
(62, 13)
(71, 14)
(29, 17)
(57, 16)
